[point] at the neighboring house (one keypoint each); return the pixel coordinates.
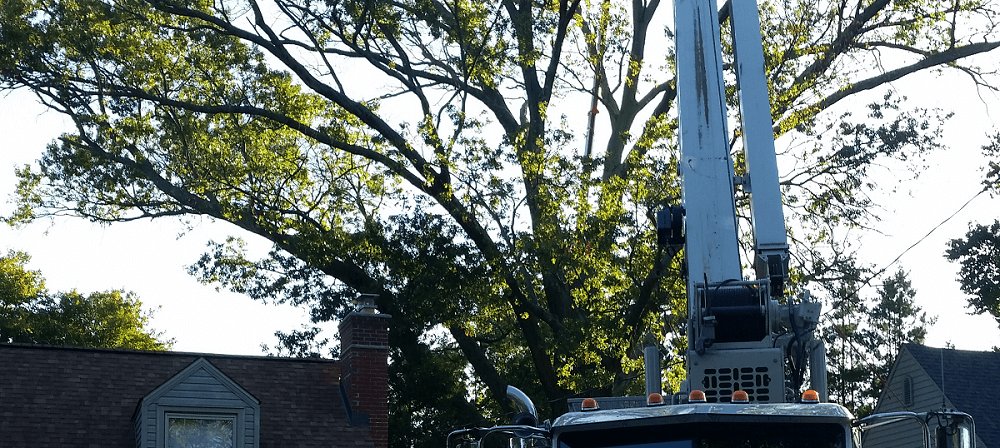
(81, 397)
(925, 379)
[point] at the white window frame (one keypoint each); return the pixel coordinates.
(236, 415)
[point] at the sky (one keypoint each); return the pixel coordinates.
(928, 212)
(150, 257)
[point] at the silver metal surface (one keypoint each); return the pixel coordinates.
(705, 166)
(783, 412)
(522, 401)
(758, 137)
(651, 362)
(817, 369)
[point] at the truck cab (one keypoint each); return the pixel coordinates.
(708, 425)
(695, 423)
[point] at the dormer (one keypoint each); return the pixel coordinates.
(199, 406)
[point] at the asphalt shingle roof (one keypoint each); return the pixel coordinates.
(967, 379)
(81, 397)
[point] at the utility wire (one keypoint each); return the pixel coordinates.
(867, 281)
(882, 271)
(850, 342)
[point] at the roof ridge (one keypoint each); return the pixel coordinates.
(927, 347)
(21, 345)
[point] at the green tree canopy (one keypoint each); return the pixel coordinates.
(979, 252)
(979, 255)
(30, 314)
(429, 152)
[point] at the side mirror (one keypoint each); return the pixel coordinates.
(954, 430)
(942, 429)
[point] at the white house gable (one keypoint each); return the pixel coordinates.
(915, 385)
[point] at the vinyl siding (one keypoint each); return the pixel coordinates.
(199, 389)
(925, 395)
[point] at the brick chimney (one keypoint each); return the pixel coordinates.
(364, 342)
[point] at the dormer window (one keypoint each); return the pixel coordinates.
(200, 430)
(199, 407)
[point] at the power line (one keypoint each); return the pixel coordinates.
(882, 271)
(850, 342)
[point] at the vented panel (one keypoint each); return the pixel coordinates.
(720, 383)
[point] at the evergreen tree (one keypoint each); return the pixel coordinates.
(866, 334)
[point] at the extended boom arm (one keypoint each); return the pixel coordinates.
(740, 338)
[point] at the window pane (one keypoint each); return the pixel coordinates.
(199, 433)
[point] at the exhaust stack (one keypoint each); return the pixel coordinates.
(524, 404)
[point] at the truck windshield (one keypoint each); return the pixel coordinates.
(711, 435)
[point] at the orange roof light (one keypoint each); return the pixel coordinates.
(655, 399)
(696, 396)
(589, 404)
(810, 396)
(740, 397)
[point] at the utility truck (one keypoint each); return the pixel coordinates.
(752, 349)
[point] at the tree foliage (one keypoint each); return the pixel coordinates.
(30, 314)
(991, 178)
(428, 152)
(865, 334)
(979, 252)
(979, 255)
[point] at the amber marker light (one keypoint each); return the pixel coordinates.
(740, 397)
(810, 396)
(696, 396)
(654, 399)
(589, 404)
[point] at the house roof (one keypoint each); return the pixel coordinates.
(62, 396)
(966, 378)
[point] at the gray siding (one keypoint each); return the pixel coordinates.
(201, 389)
(198, 389)
(146, 426)
(925, 395)
(249, 423)
(138, 426)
